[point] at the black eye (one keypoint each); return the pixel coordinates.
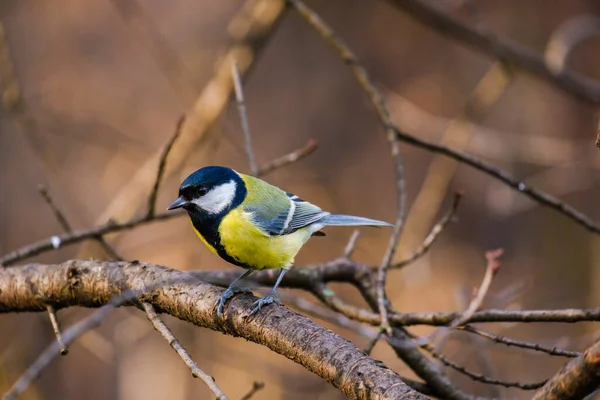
(201, 190)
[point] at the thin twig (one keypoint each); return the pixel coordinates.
(459, 132)
(553, 351)
(433, 234)
(161, 168)
(536, 195)
(256, 387)
(110, 250)
(66, 226)
(289, 158)
(60, 217)
(239, 96)
(491, 269)
(480, 377)
(69, 336)
(64, 350)
(77, 236)
(351, 244)
(371, 345)
(377, 100)
(568, 315)
(166, 333)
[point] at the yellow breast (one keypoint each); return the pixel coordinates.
(246, 243)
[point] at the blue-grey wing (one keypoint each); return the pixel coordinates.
(297, 214)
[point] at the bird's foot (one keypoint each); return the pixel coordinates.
(260, 303)
(229, 293)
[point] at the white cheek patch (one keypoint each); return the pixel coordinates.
(218, 198)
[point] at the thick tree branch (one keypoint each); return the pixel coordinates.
(95, 283)
(577, 379)
(508, 52)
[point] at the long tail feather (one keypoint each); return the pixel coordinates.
(350, 220)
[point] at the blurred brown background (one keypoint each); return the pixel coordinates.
(98, 102)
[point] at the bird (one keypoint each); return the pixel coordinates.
(253, 224)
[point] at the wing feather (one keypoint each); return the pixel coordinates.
(300, 214)
(295, 215)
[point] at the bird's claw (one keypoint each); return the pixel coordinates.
(260, 303)
(227, 294)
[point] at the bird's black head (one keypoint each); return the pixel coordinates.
(210, 192)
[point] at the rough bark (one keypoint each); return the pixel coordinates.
(94, 283)
(577, 379)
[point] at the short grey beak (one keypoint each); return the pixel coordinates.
(177, 203)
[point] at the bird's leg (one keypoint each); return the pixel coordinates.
(270, 298)
(231, 291)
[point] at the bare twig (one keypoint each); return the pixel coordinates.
(508, 52)
(66, 226)
(78, 236)
(433, 234)
(491, 269)
(166, 333)
(492, 266)
(239, 97)
(553, 351)
(256, 387)
(480, 377)
(377, 100)
(161, 168)
(526, 316)
(289, 158)
(351, 244)
(458, 133)
(371, 345)
(539, 196)
(69, 336)
(577, 379)
(64, 350)
(60, 217)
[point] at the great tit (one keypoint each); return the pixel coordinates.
(252, 224)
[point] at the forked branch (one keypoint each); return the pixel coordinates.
(95, 283)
